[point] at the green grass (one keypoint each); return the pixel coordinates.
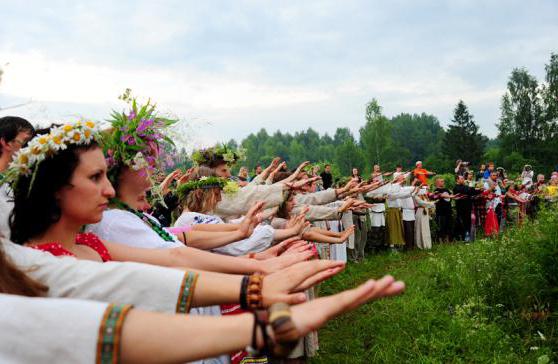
(492, 301)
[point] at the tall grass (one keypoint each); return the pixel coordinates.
(492, 301)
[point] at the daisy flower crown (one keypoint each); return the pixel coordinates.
(44, 146)
(219, 152)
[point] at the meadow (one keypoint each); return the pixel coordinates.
(490, 301)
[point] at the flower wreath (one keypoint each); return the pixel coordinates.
(219, 152)
(137, 138)
(227, 186)
(44, 146)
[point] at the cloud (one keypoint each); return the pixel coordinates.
(230, 68)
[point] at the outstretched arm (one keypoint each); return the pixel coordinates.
(313, 235)
(192, 258)
(211, 336)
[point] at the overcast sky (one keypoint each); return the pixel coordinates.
(229, 68)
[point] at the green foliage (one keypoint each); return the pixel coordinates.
(202, 183)
(449, 179)
(493, 154)
(529, 115)
(417, 137)
(220, 151)
(347, 156)
(401, 140)
(492, 301)
(463, 139)
(515, 161)
(375, 136)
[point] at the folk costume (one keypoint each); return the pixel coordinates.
(423, 237)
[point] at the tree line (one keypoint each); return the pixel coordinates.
(527, 134)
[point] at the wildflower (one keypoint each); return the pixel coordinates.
(144, 125)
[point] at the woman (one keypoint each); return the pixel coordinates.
(423, 238)
(377, 175)
(356, 175)
(527, 175)
(515, 205)
(198, 199)
(242, 176)
(61, 185)
(469, 179)
(492, 196)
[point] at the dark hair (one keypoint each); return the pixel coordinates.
(15, 281)
(327, 165)
(10, 126)
(215, 162)
(35, 204)
(282, 210)
(281, 176)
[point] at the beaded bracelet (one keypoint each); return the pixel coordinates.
(254, 297)
(285, 333)
(277, 322)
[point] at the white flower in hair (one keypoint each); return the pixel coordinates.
(228, 157)
(139, 162)
(204, 178)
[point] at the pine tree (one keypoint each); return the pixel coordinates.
(463, 139)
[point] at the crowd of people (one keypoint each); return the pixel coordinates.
(101, 248)
(410, 209)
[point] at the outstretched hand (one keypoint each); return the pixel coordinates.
(275, 264)
(281, 248)
(251, 219)
(312, 315)
(286, 285)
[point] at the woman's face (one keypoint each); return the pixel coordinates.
(355, 172)
(135, 185)
(87, 195)
(376, 168)
(290, 205)
(223, 171)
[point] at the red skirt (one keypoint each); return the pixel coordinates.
(491, 223)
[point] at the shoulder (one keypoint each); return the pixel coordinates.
(93, 241)
(55, 249)
(116, 225)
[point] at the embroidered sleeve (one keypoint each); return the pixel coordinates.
(184, 302)
(108, 343)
